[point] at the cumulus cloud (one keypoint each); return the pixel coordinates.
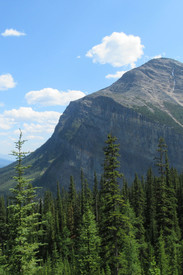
(6, 82)
(5, 123)
(12, 32)
(117, 49)
(30, 120)
(116, 75)
(28, 114)
(52, 97)
(37, 126)
(35, 137)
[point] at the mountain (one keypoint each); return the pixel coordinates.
(145, 104)
(4, 162)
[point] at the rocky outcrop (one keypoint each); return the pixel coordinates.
(142, 106)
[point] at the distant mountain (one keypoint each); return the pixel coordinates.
(145, 104)
(4, 162)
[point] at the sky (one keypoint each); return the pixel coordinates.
(54, 52)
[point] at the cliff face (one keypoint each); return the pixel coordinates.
(142, 106)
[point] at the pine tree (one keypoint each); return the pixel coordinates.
(96, 198)
(71, 207)
(138, 203)
(163, 220)
(82, 193)
(162, 256)
(129, 255)
(150, 210)
(125, 190)
(167, 220)
(88, 245)
(3, 227)
(58, 219)
(172, 201)
(49, 225)
(22, 244)
(111, 217)
(160, 158)
(179, 196)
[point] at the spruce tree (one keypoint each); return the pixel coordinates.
(49, 226)
(111, 217)
(88, 245)
(3, 227)
(162, 255)
(59, 218)
(150, 209)
(71, 208)
(22, 241)
(129, 254)
(138, 202)
(96, 198)
(166, 216)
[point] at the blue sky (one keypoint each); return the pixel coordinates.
(53, 52)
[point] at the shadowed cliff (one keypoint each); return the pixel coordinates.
(145, 104)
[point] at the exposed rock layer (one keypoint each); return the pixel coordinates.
(142, 106)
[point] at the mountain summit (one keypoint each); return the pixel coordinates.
(156, 83)
(146, 103)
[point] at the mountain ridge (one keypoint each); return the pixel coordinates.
(4, 162)
(147, 89)
(139, 108)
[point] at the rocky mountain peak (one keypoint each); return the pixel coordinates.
(156, 84)
(145, 104)
(156, 81)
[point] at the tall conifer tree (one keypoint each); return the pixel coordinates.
(88, 245)
(22, 244)
(111, 216)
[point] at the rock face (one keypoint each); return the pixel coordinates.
(145, 104)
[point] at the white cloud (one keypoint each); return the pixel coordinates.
(5, 123)
(116, 75)
(25, 116)
(1, 104)
(3, 133)
(12, 32)
(157, 56)
(117, 49)
(6, 82)
(36, 126)
(28, 114)
(35, 137)
(52, 97)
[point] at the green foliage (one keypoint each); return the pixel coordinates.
(3, 227)
(112, 202)
(155, 114)
(176, 110)
(129, 255)
(162, 256)
(108, 231)
(88, 245)
(22, 245)
(150, 209)
(154, 270)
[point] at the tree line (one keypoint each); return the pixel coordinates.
(132, 230)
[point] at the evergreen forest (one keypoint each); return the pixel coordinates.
(111, 228)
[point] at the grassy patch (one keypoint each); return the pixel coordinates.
(162, 117)
(175, 110)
